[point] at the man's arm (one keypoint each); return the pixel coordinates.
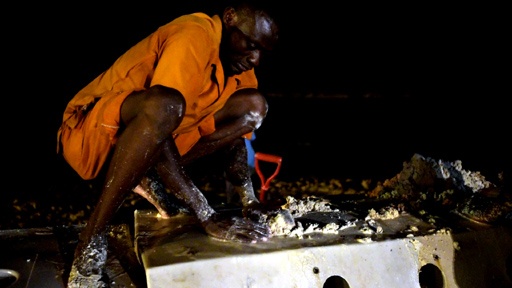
(224, 228)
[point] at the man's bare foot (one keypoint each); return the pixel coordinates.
(152, 199)
(88, 268)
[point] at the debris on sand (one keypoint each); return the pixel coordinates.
(299, 209)
(424, 184)
(430, 183)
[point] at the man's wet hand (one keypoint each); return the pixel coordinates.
(234, 228)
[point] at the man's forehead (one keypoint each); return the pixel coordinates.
(259, 28)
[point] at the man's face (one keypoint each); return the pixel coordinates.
(248, 35)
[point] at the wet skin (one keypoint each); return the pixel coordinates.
(146, 142)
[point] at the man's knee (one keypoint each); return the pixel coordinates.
(163, 107)
(257, 108)
(252, 99)
(249, 103)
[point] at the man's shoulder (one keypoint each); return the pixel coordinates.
(196, 27)
(199, 21)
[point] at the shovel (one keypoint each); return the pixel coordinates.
(265, 183)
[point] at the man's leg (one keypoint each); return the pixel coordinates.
(137, 149)
(152, 189)
(243, 113)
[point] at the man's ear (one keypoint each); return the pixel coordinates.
(230, 17)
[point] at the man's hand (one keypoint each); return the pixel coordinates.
(235, 228)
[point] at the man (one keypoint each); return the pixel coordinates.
(186, 91)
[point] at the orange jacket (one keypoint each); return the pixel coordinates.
(184, 55)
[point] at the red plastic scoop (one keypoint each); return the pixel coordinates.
(265, 184)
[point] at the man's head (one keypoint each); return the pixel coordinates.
(248, 32)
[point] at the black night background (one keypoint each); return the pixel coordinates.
(354, 90)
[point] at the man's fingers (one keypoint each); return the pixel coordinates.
(239, 230)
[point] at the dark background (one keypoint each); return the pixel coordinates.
(354, 89)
